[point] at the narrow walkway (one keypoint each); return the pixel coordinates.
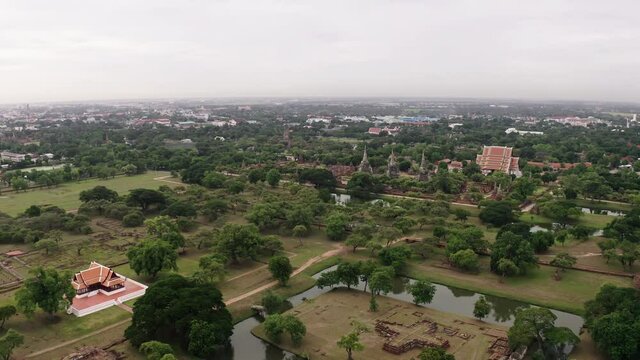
(125, 307)
(70, 342)
(297, 271)
(164, 178)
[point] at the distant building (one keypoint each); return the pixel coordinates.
(577, 121)
(498, 158)
(315, 120)
(522, 132)
(12, 157)
(377, 131)
(141, 122)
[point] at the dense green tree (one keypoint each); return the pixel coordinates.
(181, 208)
(272, 302)
(144, 198)
(213, 180)
(395, 257)
(434, 353)
(133, 219)
(214, 208)
(155, 350)
(356, 241)
(497, 213)
(422, 292)
(11, 340)
(481, 308)
(239, 241)
(350, 343)
(380, 282)
(364, 186)
(6, 312)
(211, 269)
(348, 274)
(151, 256)
(266, 215)
(178, 308)
(234, 186)
(336, 226)
(275, 325)
(256, 175)
(273, 177)
(563, 261)
(560, 211)
(514, 248)
(466, 260)
(47, 289)
(299, 215)
(404, 224)
(49, 245)
(280, 268)
(98, 193)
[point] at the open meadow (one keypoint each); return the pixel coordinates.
(65, 195)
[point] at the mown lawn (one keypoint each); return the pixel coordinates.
(66, 195)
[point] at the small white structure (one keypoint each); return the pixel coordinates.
(522, 132)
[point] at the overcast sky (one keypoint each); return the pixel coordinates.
(531, 49)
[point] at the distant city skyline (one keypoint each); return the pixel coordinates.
(532, 50)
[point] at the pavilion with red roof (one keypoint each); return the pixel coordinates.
(99, 287)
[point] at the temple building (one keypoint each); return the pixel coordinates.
(97, 277)
(423, 173)
(364, 164)
(498, 158)
(99, 287)
(393, 171)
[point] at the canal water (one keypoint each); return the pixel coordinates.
(245, 346)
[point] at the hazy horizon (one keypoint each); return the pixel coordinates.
(145, 50)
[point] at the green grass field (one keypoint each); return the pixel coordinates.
(66, 195)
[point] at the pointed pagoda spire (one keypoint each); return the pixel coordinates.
(364, 164)
(393, 170)
(423, 173)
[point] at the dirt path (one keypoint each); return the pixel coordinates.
(70, 342)
(297, 271)
(164, 178)
(423, 199)
(125, 307)
(292, 255)
(528, 207)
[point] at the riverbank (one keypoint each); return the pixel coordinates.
(241, 310)
(537, 287)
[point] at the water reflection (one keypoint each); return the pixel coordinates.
(245, 346)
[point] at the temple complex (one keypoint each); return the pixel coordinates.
(498, 158)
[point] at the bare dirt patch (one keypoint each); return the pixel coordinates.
(332, 315)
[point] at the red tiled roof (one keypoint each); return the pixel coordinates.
(95, 274)
(497, 158)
